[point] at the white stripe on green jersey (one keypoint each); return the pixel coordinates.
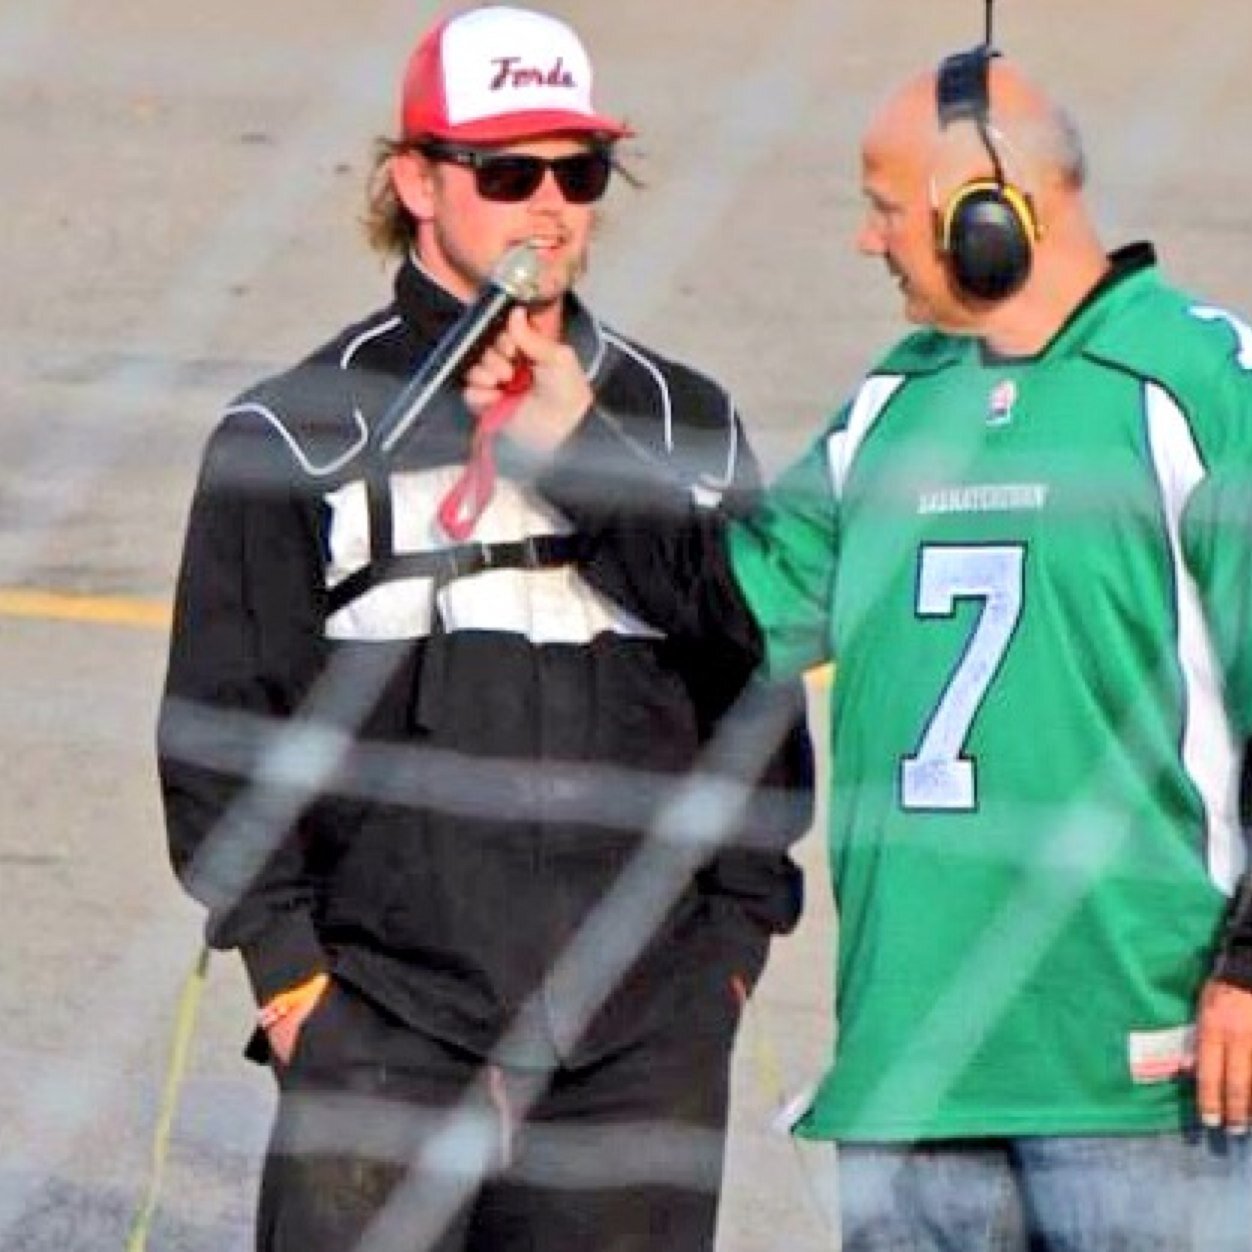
(1210, 755)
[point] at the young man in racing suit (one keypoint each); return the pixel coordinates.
(411, 758)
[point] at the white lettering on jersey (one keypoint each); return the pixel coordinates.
(984, 498)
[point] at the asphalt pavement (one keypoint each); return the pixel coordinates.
(181, 192)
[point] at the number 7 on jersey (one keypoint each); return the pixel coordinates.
(938, 775)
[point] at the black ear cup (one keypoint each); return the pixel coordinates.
(987, 229)
(987, 232)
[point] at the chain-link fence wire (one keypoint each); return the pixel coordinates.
(1167, 117)
(687, 821)
(695, 816)
(70, 464)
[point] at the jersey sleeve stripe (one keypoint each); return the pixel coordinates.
(1210, 754)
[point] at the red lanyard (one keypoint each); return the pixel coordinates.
(465, 503)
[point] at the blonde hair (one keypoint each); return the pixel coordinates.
(389, 227)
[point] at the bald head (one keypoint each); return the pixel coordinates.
(1022, 171)
(1037, 139)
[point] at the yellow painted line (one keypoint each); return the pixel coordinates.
(106, 610)
(156, 615)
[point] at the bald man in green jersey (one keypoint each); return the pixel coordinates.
(1026, 541)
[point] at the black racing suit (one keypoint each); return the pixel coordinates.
(421, 765)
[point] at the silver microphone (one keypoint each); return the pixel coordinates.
(514, 280)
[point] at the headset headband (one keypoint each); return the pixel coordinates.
(962, 91)
(963, 95)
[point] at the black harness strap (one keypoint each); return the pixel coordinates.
(446, 564)
(382, 522)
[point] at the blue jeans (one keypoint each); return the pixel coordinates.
(1131, 1193)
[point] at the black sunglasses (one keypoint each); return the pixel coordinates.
(510, 177)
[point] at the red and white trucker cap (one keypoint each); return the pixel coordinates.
(498, 73)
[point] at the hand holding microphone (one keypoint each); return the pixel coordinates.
(528, 382)
(515, 371)
(554, 391)
(514, 281)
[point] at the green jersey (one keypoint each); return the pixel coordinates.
(1035, 577)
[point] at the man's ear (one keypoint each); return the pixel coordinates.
(412, 179)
